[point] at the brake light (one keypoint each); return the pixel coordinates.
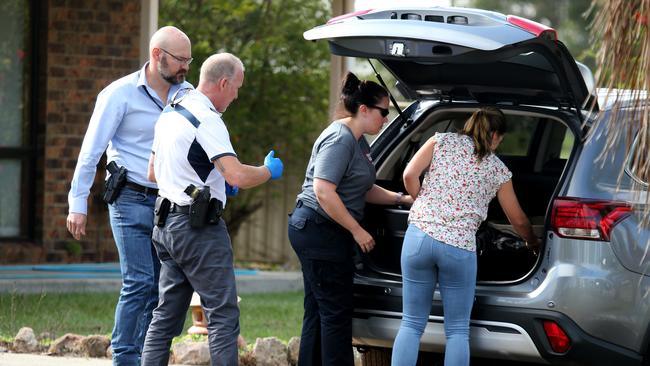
(538, 29)
(587, 219)
(349, 15)
(559, 340)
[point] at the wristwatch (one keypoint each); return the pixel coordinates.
(398, 197)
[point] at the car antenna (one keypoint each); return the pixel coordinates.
(381, 81)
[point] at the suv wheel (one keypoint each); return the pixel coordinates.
(375, 356)
(382, 356)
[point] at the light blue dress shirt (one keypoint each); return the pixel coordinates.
(122, 124)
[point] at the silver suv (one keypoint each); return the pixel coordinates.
(586, 298)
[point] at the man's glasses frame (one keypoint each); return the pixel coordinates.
(383, 111)
(182, 60)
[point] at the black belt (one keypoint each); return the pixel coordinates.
(142, 189)
(174, 208)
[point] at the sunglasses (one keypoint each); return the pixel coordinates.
(182, 60)
(383, 111)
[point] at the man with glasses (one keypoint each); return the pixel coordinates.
(122, 124)
(182, 60)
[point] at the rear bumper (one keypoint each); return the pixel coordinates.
(510, 341)
(495, 332)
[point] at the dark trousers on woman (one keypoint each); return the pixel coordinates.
(325, 252)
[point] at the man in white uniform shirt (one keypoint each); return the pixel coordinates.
(192, 147)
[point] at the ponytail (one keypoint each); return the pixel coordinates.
(481, 125)
(355, 92)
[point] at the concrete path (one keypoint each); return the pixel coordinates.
(19, 359)
(105, 277)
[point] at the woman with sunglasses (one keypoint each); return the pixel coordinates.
(324, 228)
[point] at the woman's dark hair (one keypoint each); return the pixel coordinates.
(481, 125)
(355, 92)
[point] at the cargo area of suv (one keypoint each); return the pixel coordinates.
(536, 150)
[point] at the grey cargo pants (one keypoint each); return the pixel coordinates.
(198, 260)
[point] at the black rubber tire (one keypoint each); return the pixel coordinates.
(381, 357)
(376, 357)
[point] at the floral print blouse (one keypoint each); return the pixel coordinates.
(456, 191)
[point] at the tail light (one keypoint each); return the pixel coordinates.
(559, 340)
(538, 29)
(348, 15)
(587, 219)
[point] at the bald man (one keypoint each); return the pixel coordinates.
(122, 124)
(192, 148)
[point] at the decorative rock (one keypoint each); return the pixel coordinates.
(66, 344)
(25, 341)
(293, 348)
(246, 359)
(270, 352)
(95, 346)
(191, 353)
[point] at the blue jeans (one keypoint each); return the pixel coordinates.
(425, 262)
(131, 218)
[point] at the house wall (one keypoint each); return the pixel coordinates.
(81, 47)
(88, 44)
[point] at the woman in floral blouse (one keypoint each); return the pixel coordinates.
(462, 176)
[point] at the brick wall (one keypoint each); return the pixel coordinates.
(88, 45)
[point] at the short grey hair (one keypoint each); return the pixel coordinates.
(220, 66)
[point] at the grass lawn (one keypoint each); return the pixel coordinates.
(262, 315)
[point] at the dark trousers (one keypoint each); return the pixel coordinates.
(198, 260)
(325, 252)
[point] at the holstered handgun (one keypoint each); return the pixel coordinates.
(215, 210)
(160, 211)
(114, 184)
(203, 209)
(199, 206)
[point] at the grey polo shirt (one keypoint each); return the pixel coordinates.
(340, 159)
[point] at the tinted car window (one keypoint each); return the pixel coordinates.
(567, 144)
(517, 139)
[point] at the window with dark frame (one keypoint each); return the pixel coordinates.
(17, 150)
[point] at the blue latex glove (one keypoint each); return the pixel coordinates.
(231, 191)
(274, 165)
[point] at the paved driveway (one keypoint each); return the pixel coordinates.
(17, 359)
